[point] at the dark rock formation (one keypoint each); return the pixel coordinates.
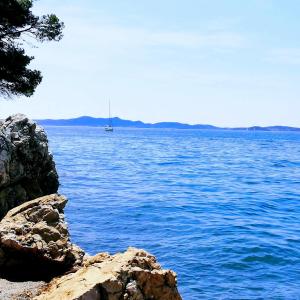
(35, 242)
(27, 169)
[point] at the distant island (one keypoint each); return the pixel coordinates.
(117, 122)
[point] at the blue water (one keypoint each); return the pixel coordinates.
(221, 208)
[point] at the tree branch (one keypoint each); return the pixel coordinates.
(17, 32)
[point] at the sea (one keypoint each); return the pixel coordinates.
(220, 208)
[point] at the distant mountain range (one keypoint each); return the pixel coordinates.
(117, 122)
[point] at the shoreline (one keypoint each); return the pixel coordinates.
(35, 243)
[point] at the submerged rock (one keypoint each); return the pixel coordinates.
(133, 275)
(27, 169)
(35, 243)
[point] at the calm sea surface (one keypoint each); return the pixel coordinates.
(221, 208)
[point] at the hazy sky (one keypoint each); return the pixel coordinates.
(222, 62)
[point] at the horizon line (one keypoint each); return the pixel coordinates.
(171, 122)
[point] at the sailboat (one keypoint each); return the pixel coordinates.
(109, 127)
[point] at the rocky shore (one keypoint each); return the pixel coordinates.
(37, 258)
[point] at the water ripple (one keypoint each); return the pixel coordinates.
(221, 208)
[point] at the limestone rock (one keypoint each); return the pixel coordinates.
(27, 169)
(34, 241)
(133, 275)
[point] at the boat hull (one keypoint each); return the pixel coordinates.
(108, 129)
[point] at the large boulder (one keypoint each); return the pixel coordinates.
(133, 275)
(27, 169)
(35, 242)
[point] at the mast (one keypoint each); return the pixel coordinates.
(109, 127)
(109, 116)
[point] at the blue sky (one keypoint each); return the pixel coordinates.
(225, 62)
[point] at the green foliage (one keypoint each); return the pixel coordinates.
(17, 22)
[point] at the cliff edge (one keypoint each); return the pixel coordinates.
(27, 169)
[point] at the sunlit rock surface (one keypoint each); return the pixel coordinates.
(133, 275)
